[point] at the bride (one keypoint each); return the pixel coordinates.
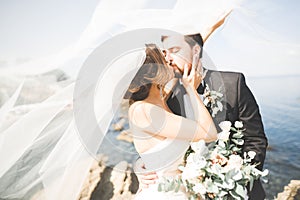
(158, 133)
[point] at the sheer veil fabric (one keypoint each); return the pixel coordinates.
(42, 149)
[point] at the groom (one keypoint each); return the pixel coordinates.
(239, 102)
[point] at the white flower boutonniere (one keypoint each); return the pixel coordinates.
(213, 100)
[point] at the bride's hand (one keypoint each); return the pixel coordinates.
(194, 78)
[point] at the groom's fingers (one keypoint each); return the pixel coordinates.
(149, 176)
(147, 179)
(146, 183)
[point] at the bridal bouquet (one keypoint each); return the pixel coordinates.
(217, 171)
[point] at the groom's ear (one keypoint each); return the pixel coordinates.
(196, 49)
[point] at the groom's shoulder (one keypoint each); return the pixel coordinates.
(226, 75)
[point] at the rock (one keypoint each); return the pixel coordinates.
(119, 125)
(291, 191)
(118, 176)
(126, 136)
(113, 183)
(124, 108)
(36, 88)
(93, 178)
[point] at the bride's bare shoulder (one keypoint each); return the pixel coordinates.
(140, 110)
(139, 107)
(138, 113)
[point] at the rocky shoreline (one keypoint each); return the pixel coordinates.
(290, 192)
(104, 183)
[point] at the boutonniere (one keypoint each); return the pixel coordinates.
(213, 100)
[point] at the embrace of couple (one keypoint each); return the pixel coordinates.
(161, 118)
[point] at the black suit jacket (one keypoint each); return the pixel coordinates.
(239, 105)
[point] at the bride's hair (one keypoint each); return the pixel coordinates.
(153, 71)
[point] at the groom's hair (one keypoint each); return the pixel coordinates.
(192, 40)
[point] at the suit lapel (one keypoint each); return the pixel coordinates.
(175, 101)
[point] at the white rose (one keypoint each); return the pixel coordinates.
(224, 135)
(234, 162)
(199, 188)
(238, 176)
(251, 154)
(219, 94)
(190, 172)
(190, 159)
(220, 105)
(199, 160)
(238, 124)
(199, 147)
(225, 126)
(265, 172)
(214, 111)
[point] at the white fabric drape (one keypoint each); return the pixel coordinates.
(43, 148)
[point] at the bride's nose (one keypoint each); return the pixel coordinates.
(169, 58)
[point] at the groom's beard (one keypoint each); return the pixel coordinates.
(177, 72)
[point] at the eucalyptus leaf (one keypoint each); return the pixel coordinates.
(233, 129)
(251, 182)
(238, 141)
(236, 149)
(234, 194)
(237, 135)
(240, 190)
(159, 187)
(177, 186)
(172, 185)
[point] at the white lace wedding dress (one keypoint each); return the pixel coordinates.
(159, 155)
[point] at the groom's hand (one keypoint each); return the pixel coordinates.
(145, 178)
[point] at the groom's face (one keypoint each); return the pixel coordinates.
(178, 52)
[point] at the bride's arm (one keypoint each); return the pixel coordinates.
(201, 114)
(155, 120)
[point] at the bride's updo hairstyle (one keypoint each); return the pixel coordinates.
(153, 71)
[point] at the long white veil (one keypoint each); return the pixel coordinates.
(44, 149)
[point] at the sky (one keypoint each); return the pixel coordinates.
(259, 39)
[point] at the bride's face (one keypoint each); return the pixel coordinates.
(178, 52)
